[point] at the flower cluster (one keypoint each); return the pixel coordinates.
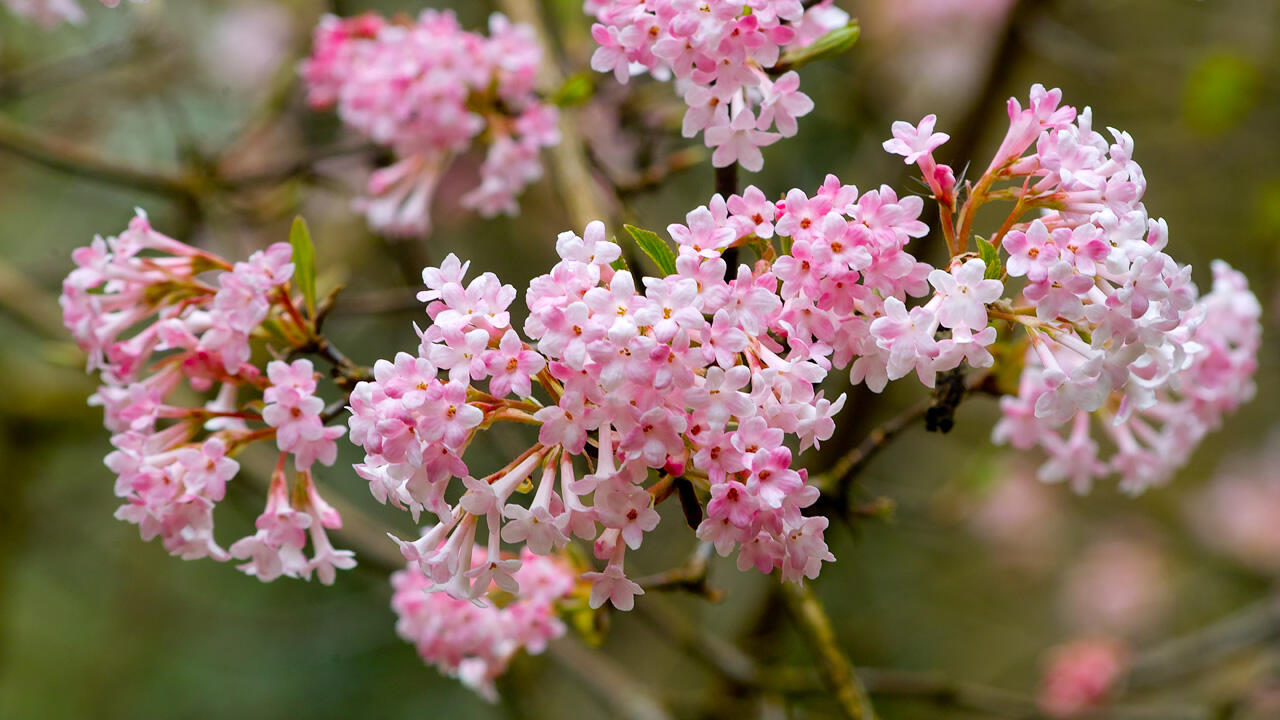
(50, 13)
(474, 642)
(722, 55)
(428, 90)
(700, 374)
(1113, 324)
(152, 327)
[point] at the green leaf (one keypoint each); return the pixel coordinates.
(658, 251)
(830, 45)
(304, 263)
(990, 256)
(621, 263)
(576, 89)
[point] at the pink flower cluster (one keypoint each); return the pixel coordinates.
(50, 13)
(476, 642)
(1152, 440)
(721, 53)
(1113, 324)
(846, 278)
(695, 375)
(428, 90)
(151, 326)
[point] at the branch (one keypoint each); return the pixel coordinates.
(743, 671)
(993, 702)
(571, 171)
(838, 479)
(1176, 659)
(609, 681)
(29, 303)
(66, 157)
(691, 576)
(836, 670)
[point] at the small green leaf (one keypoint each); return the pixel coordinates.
(991, 257)
(304, 263)
(576, 89)
(830, 45)
(653, 246)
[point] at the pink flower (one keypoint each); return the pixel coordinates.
(965, 295)
(614, 586)
(916, 142)
(783, 103)
(511, 365)
(739, 141)
(908, 336)
(295, 414)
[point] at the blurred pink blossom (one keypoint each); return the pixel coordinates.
(1079, 675)
(1238, 514)
(1119, 586)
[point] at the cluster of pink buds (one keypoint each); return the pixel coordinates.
(50, 13)
(473, 642)
(724, 56)
(428, 90)
(155, 329)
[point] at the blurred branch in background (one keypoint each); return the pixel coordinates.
(578, 189)
(1180, 658)
(28, 303)
(64, 156)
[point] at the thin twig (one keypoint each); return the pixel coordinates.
(691, 576)
(840, 476)
(836, 670)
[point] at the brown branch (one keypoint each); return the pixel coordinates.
(57, 154)
(837, 480)
(690, 577)
(743, 671)
(29, 303)
(834, 668)
(993, 702)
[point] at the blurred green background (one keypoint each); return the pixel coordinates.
(977, 574)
